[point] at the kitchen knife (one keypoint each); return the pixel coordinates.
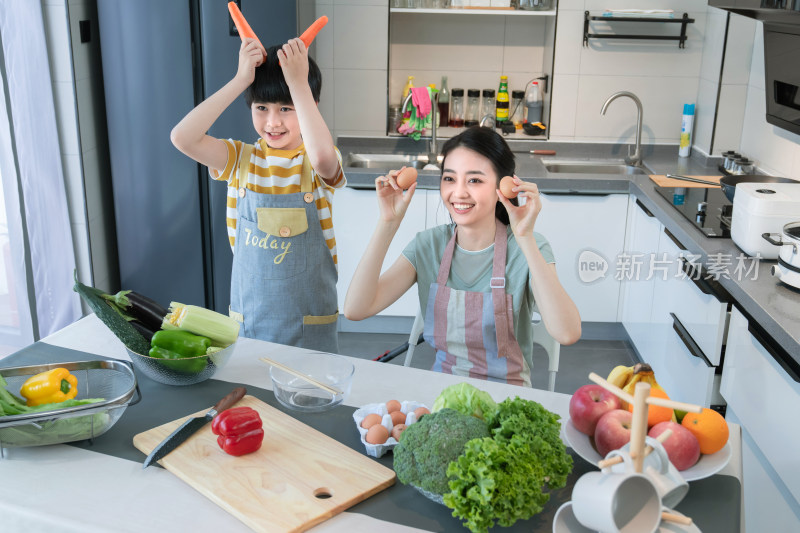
(188, 428)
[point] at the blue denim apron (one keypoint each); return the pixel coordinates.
(473, 332)
(283, 281)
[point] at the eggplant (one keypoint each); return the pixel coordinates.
(146, 310)
(146, 332)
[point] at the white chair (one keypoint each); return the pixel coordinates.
(540, 337)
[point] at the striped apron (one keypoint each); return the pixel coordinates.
(283, 280)
(473, 332)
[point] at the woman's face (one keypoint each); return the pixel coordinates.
(469, 187)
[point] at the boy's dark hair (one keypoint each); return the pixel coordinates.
(269, 85)
(492, 146)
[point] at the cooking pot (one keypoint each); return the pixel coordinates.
(788, 267)
(729, 183)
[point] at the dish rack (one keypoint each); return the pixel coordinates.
(114, 381)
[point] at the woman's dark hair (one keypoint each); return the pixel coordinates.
(492, 146)
(269, 85)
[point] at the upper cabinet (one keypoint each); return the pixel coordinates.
(473, 48)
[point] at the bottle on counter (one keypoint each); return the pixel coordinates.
(407, 89)
(444, 103)
(473, 108)
(517, 110)
(457, 108)
(533, 103)
(687, 122)
(488, 104)
(501, 112)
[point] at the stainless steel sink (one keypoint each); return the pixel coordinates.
(386, 161)
(592, 167)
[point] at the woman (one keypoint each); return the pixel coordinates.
(479, 277)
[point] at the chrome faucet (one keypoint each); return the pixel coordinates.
(487, 120)
(433, 147)
(636, 158)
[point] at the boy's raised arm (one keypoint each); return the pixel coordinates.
(189, 135)
(316, 136)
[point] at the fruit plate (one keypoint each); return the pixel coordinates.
(707, 466)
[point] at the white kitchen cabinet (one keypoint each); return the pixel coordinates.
(354, 215)
(636, 301)
(764, 397)
(587, 233)
(687, 329)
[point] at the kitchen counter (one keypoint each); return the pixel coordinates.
(774, 306)
(90, 489)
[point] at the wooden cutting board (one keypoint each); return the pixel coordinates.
(282, 486)
(664, 181)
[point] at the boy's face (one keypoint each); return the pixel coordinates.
(277, 124)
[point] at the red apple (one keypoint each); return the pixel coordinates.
(682, 446)
(613, 431)
(588, 404)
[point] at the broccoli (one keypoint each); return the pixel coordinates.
(427, 447)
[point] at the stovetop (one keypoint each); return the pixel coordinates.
(706, 207)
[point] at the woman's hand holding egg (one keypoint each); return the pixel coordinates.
(522, 217)
(391, 199)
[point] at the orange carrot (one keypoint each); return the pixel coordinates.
(244, 29)
(313, 30)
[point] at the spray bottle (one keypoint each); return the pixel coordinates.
(687, 122)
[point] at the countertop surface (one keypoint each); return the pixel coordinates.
(126, 498)
(773, 305)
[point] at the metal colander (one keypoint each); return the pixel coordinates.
(114, 381)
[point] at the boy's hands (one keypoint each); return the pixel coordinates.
(251, 55)
(522, 218)
(391, 200)
(293, 57)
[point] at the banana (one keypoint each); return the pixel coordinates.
(642, 372)
(620, 375)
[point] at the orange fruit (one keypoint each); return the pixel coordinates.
(709, 427)
(656, 413)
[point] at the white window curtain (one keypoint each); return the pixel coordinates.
(33, 182)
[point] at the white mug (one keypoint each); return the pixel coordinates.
(668, 480)
(617, 502)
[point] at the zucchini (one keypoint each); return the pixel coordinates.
(112, 318)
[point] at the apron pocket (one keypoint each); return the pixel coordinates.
(270, 256)
(282, 221)
(321, 332)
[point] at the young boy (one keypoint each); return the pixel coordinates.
(280, 191)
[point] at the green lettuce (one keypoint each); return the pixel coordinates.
(465, 399)
(507, 477)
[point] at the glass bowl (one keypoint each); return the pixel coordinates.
(186, 371)
(299, 395)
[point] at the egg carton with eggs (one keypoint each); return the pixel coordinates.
(388, 420)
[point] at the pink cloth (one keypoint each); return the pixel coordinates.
(421, 100)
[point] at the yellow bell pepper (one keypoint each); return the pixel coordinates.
(53, 386)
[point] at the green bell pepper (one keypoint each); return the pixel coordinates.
(179, 363)
(181, 342)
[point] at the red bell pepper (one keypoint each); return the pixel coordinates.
(239, 430)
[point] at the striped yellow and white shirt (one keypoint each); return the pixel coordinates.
(278, 172)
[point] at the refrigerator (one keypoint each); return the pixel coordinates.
(161, 58)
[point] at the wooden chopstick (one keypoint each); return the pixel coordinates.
(618, 458)
(304, 377)
(663, 402)
(639, 425)
(678, 519)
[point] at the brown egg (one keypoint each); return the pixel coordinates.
(370, 420)
(377, 434)
(506, 186)
(398, 417)
(397, 430)
(406, 177)
(392, 406)
(419, 411)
